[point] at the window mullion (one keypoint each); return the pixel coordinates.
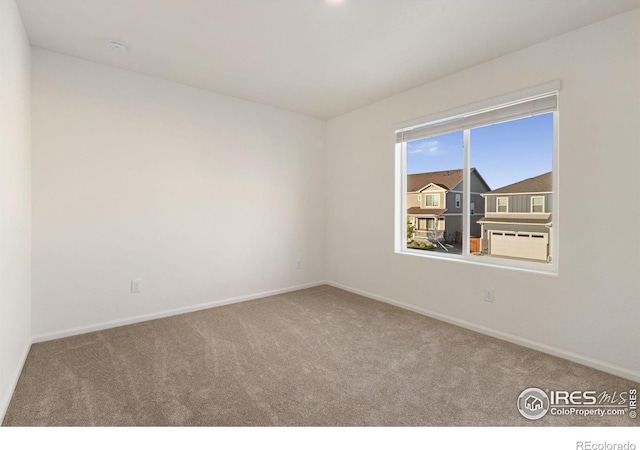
(401, 186)
(466, 192)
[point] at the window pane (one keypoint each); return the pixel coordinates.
(537, 204)
(503, 204)
(515, 159)
(433, 200)
(434, 176)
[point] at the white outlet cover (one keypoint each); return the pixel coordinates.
(489, 295)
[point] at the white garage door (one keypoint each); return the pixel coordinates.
(519, 245)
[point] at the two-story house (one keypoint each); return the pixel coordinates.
(434, 204)
(517, 221)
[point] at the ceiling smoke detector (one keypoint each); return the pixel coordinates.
(117, 47)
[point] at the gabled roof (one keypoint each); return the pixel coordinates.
(541, 183)
(446, 179)
(443, 187)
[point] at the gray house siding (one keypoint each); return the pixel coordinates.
(478, 203)
(451, 202)
(453, 215)
(477, 185)
(477, 200)
(475, 229)
(520, 203)
(452, 225)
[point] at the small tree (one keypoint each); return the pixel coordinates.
(410, 229)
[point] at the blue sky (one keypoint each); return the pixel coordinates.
(503, 153)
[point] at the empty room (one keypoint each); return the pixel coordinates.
(319, 213)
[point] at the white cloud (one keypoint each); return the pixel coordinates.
(428, 147)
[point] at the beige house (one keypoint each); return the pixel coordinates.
(435, 204)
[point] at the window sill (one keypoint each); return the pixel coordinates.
(486, 261)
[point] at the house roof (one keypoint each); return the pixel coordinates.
(417, 211)
(514, 220)
(541, 183)
(446, 179)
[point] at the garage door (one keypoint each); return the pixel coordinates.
(519, 245)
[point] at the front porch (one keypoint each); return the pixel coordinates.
(428, 235)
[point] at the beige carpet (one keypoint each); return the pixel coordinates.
(319, 356)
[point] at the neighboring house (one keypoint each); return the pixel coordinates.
(434, 204)
(517, 221)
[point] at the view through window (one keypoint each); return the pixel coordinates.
(509, 194)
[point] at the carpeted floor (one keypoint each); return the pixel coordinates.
(320, 356)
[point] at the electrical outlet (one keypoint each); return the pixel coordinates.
(136, 286)
(298, 265)
(489, 296)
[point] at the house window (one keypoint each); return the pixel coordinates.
(432, 200)
(428, 223)
(493, 157)
(502, 204)
(537, 204)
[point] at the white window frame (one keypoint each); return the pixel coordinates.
(506, 205)
(543, 205)
(496, 103)
(436, 196)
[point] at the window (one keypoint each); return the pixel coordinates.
(498, 157)
(428, 223)
(502, 204)
(537, 204)
(432, 200)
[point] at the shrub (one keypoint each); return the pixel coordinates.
(422, 245)
(410, 229)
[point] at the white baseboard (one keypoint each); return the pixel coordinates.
(8, 393)
(166, 313)
(580, 359)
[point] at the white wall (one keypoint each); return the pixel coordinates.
(203, 197)
(15, 200)
(590, 312)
